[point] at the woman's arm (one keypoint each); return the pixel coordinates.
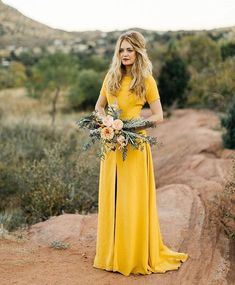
(157, 113)
(100, 105)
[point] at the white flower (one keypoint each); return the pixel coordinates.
(117, 124)
(107, 121)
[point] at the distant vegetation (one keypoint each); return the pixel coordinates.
(193, 68)
(192, 71)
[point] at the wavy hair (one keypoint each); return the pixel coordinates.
(141, 68)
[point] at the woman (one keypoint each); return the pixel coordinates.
(128, 235)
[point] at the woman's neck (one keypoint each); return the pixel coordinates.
(128, 70)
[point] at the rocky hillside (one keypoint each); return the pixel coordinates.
(191, 167)
(21, 31)
(14, 25)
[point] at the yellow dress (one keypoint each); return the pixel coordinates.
(128, 233)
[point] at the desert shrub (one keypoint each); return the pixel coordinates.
(58, 183)
(214, 87)
(19, 143)
(228, 122)
(11, 220)
(222, 208)
(45, 172)
(23, 141)
(199, 51)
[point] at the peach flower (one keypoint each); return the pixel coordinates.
(107, 121)
(117, 124)
(107, 133)
(121, 140)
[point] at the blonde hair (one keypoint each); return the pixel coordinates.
(141, 68)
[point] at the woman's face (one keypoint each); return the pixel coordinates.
(127, 53)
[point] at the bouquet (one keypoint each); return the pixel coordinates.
(114, 133)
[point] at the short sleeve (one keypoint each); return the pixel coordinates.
(103, 90)
(152, 93)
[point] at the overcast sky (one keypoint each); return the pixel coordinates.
(109, 15)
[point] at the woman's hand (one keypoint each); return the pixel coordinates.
(100, 105)
(102, 116)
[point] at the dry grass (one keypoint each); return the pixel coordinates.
(31, 148)
(222, 208)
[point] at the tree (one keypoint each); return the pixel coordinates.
(173, 81)
(97, 62)
(214, 87)
(85, 91)
(51, 75)
(199, 51)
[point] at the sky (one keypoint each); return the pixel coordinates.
(110, 15)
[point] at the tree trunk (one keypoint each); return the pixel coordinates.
(54, 102)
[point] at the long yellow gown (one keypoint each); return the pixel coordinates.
(128, 235)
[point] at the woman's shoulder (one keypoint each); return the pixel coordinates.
(105, 77)
(149, 80)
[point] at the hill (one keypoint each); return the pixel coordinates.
(15, 26)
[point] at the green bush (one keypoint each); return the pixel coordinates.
(13, 219)
(228, 122)
(45, 172)
(199, 51)
(85, 91)
(228, 50)
(12, 76)
(19, 143)
(214, 87)
(92, 61)
(58, 183)
(173, 81)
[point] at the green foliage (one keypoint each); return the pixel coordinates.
(12, 220)
(213, 88)
(85, 91)
(199, 51)
(228, 122)
(53, 72)
(19, 143)
(173, 81)
(27, 58)
(45, 172)
(208, 56)
(228, 50)
(94, 61)
(12, 76)
(6, 79)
